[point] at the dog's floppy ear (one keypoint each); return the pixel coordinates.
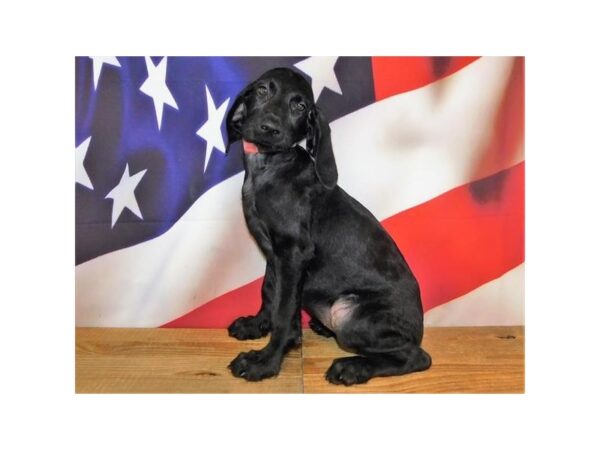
(318, 142)
(235, 114)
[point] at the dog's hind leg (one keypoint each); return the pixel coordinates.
(387, 339)
(359, 369)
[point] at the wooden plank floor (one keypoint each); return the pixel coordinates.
(138, 360)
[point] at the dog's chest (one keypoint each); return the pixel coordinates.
(274, 194)
(267, 179)
(259, 180)
(257, 174)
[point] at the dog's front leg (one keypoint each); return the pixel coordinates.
(289, 267)
(254, 327)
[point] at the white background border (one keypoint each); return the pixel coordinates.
(40, 40)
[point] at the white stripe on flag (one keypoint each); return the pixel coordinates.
(499, 302)
(391, 155)
(205, 254)
(402, 151)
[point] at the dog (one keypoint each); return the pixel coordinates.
(326, 253)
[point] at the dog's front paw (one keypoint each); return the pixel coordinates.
(350, 370)
(254, 366)
(250, 327)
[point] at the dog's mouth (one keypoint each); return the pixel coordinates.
(249, 147)
(252, 148)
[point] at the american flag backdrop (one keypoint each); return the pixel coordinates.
(433, 146)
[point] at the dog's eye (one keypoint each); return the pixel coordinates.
(261, 90)
(297, 104)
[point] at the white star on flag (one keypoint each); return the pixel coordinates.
(211, 130)
(98, 64)
(155, 86)
(81, 175)
(123, 195)
(320, 70)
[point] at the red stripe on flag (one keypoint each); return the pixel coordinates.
(453, 243)
(396, 74)
(465, 237)
(220, 312)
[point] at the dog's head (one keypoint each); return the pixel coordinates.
(277, 111)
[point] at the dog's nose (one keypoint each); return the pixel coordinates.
(269, 128)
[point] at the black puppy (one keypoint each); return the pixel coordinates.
(326, 253)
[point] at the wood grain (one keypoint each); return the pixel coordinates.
(481, 359)
(138, 360)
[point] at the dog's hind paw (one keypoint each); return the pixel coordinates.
(250, 327)
(350, 370)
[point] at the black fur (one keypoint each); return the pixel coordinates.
(326, 253)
